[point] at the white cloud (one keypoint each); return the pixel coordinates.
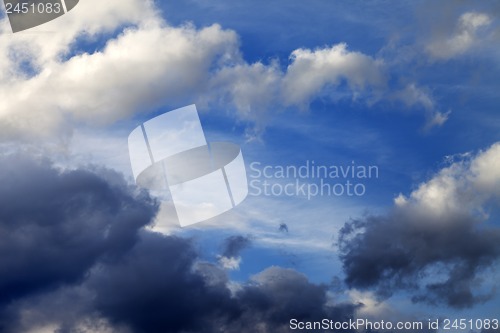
(254, 89)
(230, 263)
(144, 66)
(412, 96)
(463, 38)
(464, 187)
(372, 307)
(485, 171)
(46, 85)
(45, 44)
(310, 71)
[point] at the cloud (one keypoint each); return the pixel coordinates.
(332, 73)
(250, 89)
(276, 295)
(466, 35)
(255, 90)
(463, 187)
(233, 245)
(372, 309)
(145, 65)
(56, 225)
(159, 287)
(413, 96)
(49, 85)
(156, 290)
(75, 257)
(432, 243)
(311, 71)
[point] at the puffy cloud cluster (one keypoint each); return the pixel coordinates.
(312, 71)
(434, 243)
(44, 83)
(463, 187)
(48, 82)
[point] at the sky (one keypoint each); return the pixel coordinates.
(406, 89)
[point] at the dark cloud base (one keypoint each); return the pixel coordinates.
(74, 254)
(437, 261)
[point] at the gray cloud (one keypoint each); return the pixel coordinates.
(398, 251)
(55, 225)
(159, 287)
(233, 245)
(156, 290)
(434, 243)
(452, 29)
(75, 258)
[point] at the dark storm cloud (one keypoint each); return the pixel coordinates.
(73, 253)
(155, 289)
(55, 225)
(279, 294)
(233, 245)
(438, 260)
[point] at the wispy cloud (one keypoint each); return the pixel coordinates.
(465, 36)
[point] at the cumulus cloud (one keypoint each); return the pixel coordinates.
(311, 71)
(145, 65)
(47, 82)
(332, 72)
(432, 243)
(463, 187)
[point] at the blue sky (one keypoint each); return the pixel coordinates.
(408, 86)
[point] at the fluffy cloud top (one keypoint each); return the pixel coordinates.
(309, 72)
(47, 83)
(147, 64)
